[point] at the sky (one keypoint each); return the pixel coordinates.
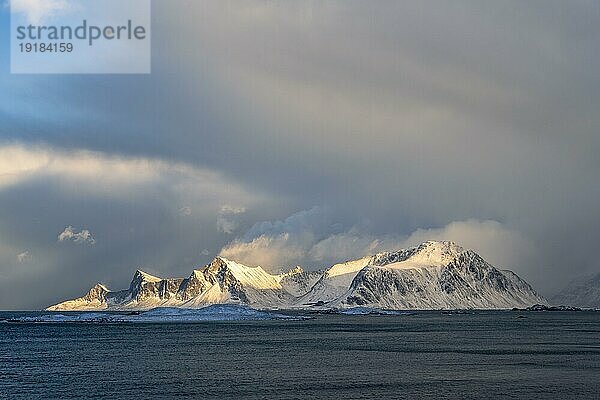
(307, 133)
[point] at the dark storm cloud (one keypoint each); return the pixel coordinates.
(394, 115)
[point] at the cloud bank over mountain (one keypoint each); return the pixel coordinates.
(311, 238)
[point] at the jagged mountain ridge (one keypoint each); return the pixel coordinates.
(221, 281)
(434, 275)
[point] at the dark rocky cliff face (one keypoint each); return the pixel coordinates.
(193, 286)
(217, 272)
(98, 292)
(298, 282)
(144, 287)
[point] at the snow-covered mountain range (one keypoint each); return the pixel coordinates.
(582, 292)
(434, 275)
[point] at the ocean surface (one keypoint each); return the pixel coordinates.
(489, 355)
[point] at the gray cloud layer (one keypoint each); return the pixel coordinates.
(474, 120)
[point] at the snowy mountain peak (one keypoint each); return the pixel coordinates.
(428, 254)
(254, 277)
(349, 267)
(98, 292)
(437, 253)
(100, 288)
(144, 276)
(221, 259)
(437, 275)
(95, 298)
(441, 247)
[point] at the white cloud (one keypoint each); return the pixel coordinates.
(20, 163)
(226, 225)
(226, 222)
(306, 237)
(100, 174)
(352, 244)
(303, 238)
(36, 11)
(232, 210)
(278, 243)
(82, 237)
(24, 257)
(185, 211)
(266, 250)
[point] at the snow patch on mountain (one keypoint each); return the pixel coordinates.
(334, 282)
(254, 277)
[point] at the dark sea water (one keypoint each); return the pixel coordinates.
(489, 355)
